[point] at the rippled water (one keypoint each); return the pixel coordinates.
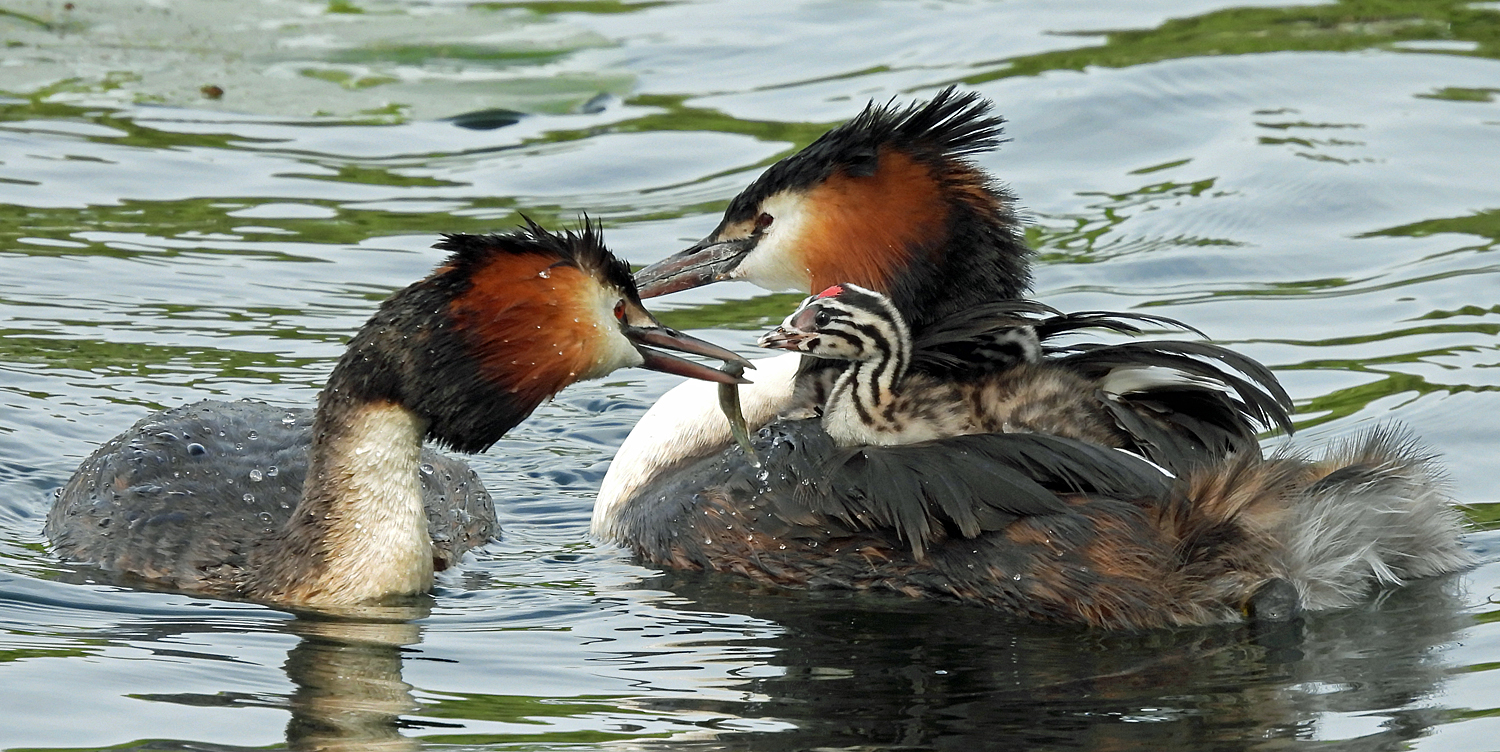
(1314, 184)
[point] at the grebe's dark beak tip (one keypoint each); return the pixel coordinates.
(661, 336)
(657, 360)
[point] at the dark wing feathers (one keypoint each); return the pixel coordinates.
(1112, 320)
(1048, 321)
(1219, 407)
(1261, 396)
(1183, 428)
(1183, 425)
(981, 320)
(960, 487)
(957, 343)
(964, 484)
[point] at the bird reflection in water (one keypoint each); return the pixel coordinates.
(346, 668)
(872, 671)
(350, 694)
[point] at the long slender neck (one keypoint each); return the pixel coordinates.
(360, 530)
(861, 406)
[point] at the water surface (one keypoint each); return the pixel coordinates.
(1313, 184)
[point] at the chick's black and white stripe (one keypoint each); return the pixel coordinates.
(878, 400)
(872, 330)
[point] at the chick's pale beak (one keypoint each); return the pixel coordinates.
(707, 261)
(782, 338)
(657, 360)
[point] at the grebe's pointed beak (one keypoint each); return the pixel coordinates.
(707, 261)
(657, 360)
(648, 331)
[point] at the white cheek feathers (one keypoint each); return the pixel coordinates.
(603, 342)
(776, 262)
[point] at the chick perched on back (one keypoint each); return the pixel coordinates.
(893, 201)
(879, 400)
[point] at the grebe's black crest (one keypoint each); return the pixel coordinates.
(889, 200)
(951, 125)
(583, 248)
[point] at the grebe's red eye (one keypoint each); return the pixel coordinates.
(763, 221)
(620, 310)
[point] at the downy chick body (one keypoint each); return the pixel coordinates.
(878, 401)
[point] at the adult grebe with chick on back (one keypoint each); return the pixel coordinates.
(1046, 518)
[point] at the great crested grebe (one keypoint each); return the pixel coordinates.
(1006, 489)
(249, 500)
(1034, 384)
(889, 201)
(1047, 526)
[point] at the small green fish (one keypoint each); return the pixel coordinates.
(729, 402)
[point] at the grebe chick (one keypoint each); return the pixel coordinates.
(247, 500)
(877, 401)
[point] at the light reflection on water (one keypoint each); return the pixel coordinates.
(1314, 185)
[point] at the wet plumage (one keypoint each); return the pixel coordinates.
(344, 505)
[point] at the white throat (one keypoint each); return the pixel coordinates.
(687, 422)
(378, 543)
